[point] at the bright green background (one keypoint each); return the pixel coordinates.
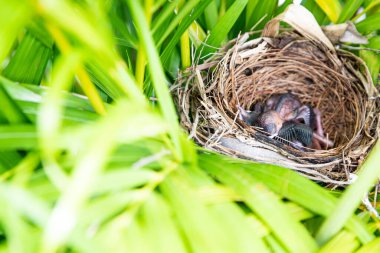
(110, 170)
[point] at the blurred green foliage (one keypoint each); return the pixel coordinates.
(108, 168)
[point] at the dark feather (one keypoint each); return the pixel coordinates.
(292, 131)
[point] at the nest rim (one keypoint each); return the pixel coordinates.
(346, 155)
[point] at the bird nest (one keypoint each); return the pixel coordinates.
(301, 61)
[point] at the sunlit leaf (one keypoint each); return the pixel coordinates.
(33, 52)
(342, 242)
(223, 26)
(332, 8)
(372, 247)
(370, 24)
(352, 197)
(349, 9)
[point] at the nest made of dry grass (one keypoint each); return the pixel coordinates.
(246, 72)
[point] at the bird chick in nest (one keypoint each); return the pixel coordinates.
(285, 118)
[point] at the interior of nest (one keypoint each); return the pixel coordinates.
(309, 71)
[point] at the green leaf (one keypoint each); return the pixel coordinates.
(282, 8)
(25, 203)
(29, 62)
(262, 13)
(17, 137)
(265, 204)
(122, 25)
(372, 247)
(250, 13)
(370, 8)
(211, 15)
(344, 242)
(13, 18)
(296, 188)
(8, 160)
(351, 198)
(203, 225)
(224, 25)
(370, 24)
(372, 59)
(93, 33)
(10, 110)
(157, 214)
(104, 207)
(165, 14)
(118, 180)
(349, 9)
(183, 26)
(274, 244)
(157, 74)
(332, 8)
(182, 14)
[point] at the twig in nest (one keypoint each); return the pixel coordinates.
(377, 51)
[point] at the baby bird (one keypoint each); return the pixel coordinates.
(287, 106)
(271, 122)
(250, 117)
(272, 102)
(284, 118)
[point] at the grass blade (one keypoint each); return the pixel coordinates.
(8, 160)
(16, 13)
(263, 202)
(250, 13)
(184, 25)
(29, 62)
(332, 8)
(224, 25)
(262, 13)
(157, 74)
(372, 59)
(163, 15)
(352, 197)
(157, 214)
(372, 247)
(211, 15)
(182, 14)
(141, 57)
(10, 110)
(282, 7)
(349, 9)
(202, 224)
(21, 137)
(344, 242)
(369, 6)
(296, 188)
(370, 24)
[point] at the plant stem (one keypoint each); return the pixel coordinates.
(185, 50)
(88, 87)
(141, 57)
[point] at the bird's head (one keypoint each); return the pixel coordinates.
(271, 122)
(250, 117)
(271, 103)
